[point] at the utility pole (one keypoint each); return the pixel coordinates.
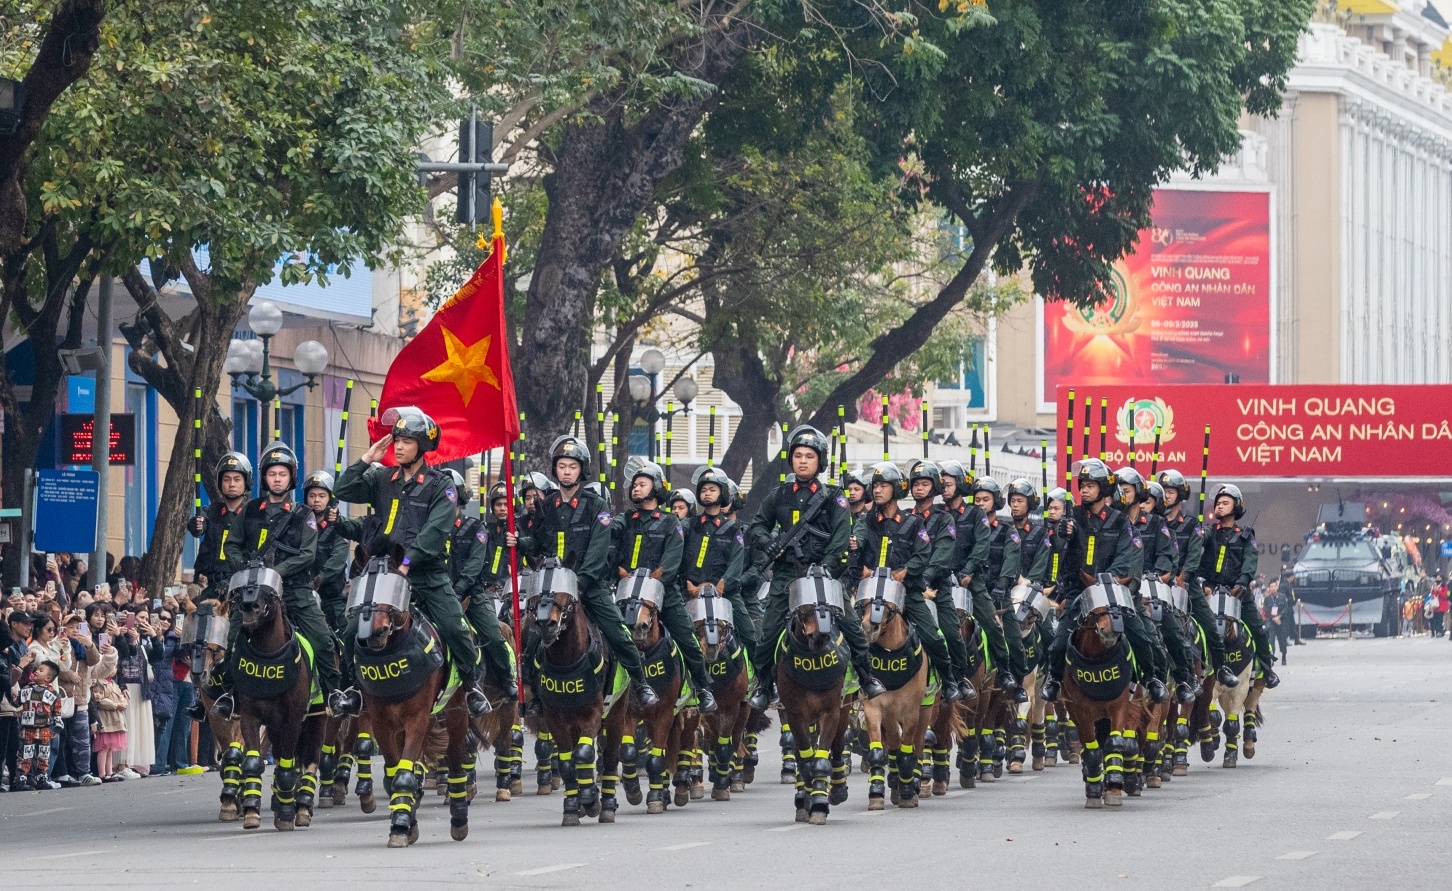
(101, 428)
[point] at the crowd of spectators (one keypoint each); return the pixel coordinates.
(93, 686)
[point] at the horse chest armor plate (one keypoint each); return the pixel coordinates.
(726, 668)
(660, 664)
(898, 666)
(1103, 679)
(572, 687)
(815, 671)
(398, 671)
(265, 676)
(1239, 654)
(1031, 648)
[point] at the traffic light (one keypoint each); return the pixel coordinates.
(474, 148)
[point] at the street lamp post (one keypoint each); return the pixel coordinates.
(249, 363)
(686, 391)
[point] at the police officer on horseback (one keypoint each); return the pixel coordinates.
(330, 565)
(573, 526)
(219, 526)
(905, 544)
(992, 581)
(812, 525)
(284, 535)
(1159, 561)
(647, 537)
(414, 508)
(715, 550)
(970, 550)
(1190, 551)
(1103, 541)
(1161, 556)
(469, 556)
(1230, 561)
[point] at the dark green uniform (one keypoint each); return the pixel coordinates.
(1189, 551)
(285, 535)
(993, 582)
(576, 531)
(412, 518)
(1230, 560)
(970, 553)
(330, 565)
(1103, 541)
(219, 553)
(1162, 559)
(653, 540)
(903, 542)
(715, 552)
(825, 544)
(469, 553)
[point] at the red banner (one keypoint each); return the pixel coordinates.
(1190, 306)
(1304, 430)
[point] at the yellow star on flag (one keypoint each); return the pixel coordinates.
(466, 367)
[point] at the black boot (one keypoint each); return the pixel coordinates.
(871, 686)
(345, 703)
(765, 693)
(1226, 677)
(706, 699)
(1007, 682)
(1271, 680)
(197, 711)
(1051, 689)
(645, 694)
(476, 701)
(1186, 692)
(952, 691)
(1157, 690)
(966, 691)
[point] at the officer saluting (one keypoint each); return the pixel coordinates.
(650, 538)
(715, 551)
(219, 526)
(886, 537)
(414, 507)
(469, 547)
(1230, 560)
(816, 516)
(284, 535)
(1190, 551)
(573, 526)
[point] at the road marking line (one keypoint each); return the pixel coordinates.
(1343, 835)
(684, 846)
(1418, 796)
(74, 854)
(49, 810)
(787, 828)
(1445, 781)
(233, 837)
(558, 867)
(1296, 855)
(1383, 815)
(1235, 881)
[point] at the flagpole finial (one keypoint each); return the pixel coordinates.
(497, 210)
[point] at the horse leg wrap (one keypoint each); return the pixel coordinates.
(307, 791)
(584, 761)
(458, 797)
(877, 770)
(1051, 734)
(721, 762)
(327, 765)
(684, 768)
(1182, 729)
(1250, 734)
(544, 757)
(363, 747)
(1232, 733)
(752, 759)
(821, 779)
(516, 752)
(787, 741)
(1038, 734)
(907, 771)
(1114, 759)
(252, 781)
(284, 788)
(345, 770)
(568, 777)
(231, 771)
(1000, 744)
(697, 767)
(608, 782)
(364, 786)
(655, 768)
(1092, 765)
(942, 769)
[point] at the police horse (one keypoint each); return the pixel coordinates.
(727, 664)
(204, 639)
(1101, 693)
(1235, 702)
(811, 678)
(274, 678)
(896, 720)
(1031, 610)
(976, 719)
(406, 679)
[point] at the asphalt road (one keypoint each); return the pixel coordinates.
(1351, 788)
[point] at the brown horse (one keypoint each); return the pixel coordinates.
(1101, 693)
(405, 679)
(976, 743)
(274, 685)
(726, 663)
(574, 670)
(811, 673)
(897, 720)
(204, 635)
(640, 598)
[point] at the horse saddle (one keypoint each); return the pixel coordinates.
(1105, 678)
(894, 668)
(267, 675)
(817, 671)
(403, 666)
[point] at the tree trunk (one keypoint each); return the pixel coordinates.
(605, 175)
(64, 57)
(741, 374)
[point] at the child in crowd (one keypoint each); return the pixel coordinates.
(39, 709)
(109, 732)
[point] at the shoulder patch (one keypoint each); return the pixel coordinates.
(984, 521)
(1138, 542)
(740, 540)
(952, 530)
(482, 536)
(312, 522)
(1013, 536)
(923, 534)
(1199, 532)
(452, 494)
(603, 518)
(841, 500)
(680, 532)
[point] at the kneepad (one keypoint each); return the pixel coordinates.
(232, 757)
(363, 747)
(655, 765)
(405, 782)
(584, 755)
(877, 757)
(252, 764)
(286, 778)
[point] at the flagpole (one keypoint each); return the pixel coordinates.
(497, 213)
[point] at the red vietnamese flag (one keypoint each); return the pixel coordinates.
(456, 370)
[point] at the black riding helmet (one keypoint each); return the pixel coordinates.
(636, 468)
(1173, 479)
(685, 497)
(887, 472)
(922, 469)
(1128, 476)
(410, 421)
(812, 438)
(1232, 492)
(496, 492)
(990, 485)
(570, 447)
(319, 479)
(537, 481)
(235, 462)
(1059, 494)
(1092, 470)
(958, 473)
(1155, 494)
(717, 477)
(461, 486)
(1025, 488)
(279, 454)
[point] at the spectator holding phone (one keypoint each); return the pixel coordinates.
(109, 731)
(136, 648)
(163, 688)
(76, 684)
(14, 659)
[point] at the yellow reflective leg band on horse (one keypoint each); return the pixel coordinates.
(459, 786)
(823, 753)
